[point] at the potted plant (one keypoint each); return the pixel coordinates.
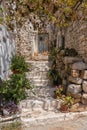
(68, 101)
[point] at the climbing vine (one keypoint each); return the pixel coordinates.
(60, 12)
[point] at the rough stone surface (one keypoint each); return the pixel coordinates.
(41, 91)
(40, 104)
(76, 95)
(75, 73)
(84, 86)
(38, 74)
(37, 107)
(76, 37)
(85, 74)
(70, 121)
(74, 89)
(75, 80)
(70, 60)
(26, 40)
(79, 66)
(84, 99)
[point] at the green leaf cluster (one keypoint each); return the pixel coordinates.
(18, 64)
(14, 89)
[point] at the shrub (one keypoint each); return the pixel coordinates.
(15, 88)
(18, 64)
(55, 73)
(54, 76)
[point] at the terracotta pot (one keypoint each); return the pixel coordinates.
(64, 108)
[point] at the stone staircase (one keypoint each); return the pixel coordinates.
(40, 106)
(38, 73)
(41, 109)
(40, 100)
(34, 108)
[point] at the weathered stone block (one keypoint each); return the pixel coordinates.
(84, 99)
(70, 60)
(79, 66)
(84, 86)
(76, 96)
(74, 89)
(37, 105)
(85, 74)
(75, 80)
(75, 73)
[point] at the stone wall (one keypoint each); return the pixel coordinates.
(76, 37)
(26, 40)
(27, 46)
(7, 49)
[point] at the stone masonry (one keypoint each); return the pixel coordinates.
(27, 45)
(38, 74)
(76, 37)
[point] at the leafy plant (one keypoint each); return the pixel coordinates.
(11, 107)
(68, 100)
(54, 76)
(18, 64)
(59, 91)
(15, 88)
(56, 58)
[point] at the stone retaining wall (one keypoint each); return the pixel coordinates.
(76, 37)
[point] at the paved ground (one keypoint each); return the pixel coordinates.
(79, 123)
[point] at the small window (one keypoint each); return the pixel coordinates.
(42, 43)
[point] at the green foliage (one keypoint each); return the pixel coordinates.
(68, 100)
(70, 52)
(1, 20)
(55, 73)
(14, 89)
(18, 64)
(60, 12)
(58, 70)
(54, 76)
(59, 91)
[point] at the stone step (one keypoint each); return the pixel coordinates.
(30, 107)
(39, 82)
(40, 100)
(38, 74)
(41, 91)
(34, 62)
(38, 77)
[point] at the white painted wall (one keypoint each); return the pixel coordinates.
(7, 49)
